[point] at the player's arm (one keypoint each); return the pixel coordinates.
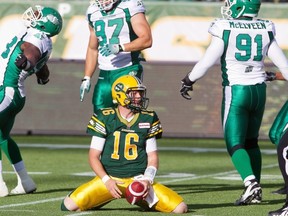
(277, 56)
(152, 164)
(212, 54)
(142, 29)
(91, 62)
(91, 54)
(96, 148)
(28, 59)
(43, 75)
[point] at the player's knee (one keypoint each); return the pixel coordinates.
(251, 143)
(235, 148)
(69, 205)
(181, 208)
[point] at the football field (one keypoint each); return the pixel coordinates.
(200, 170)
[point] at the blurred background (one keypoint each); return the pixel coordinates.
(180, 37)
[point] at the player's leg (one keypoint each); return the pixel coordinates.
(102, 92)
(90, 195)
(276, 132)
(235, 118)
(255, 119)
(282, 152)
(3, 188)
(169, 200)
(279, 135)
(10, 148)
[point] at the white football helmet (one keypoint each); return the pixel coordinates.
(105, 5)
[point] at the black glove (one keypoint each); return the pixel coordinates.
(270, 76)
(22, 62)
(186, 86)
(42, 82)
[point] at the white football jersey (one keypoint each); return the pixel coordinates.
(246, 43)
(115, 28)
(10, 74)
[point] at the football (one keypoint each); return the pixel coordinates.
(134, 192)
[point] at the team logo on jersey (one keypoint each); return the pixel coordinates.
(133, 73)
(144, 125)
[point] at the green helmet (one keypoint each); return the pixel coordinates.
(105, 5)
(45, 19)
(238, 8)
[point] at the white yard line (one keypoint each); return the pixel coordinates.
(32, 203)
(186, 149)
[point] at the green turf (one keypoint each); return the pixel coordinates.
(197, 176)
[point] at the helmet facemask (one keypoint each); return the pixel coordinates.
(136, 99)
(31, 16)
(105, 5)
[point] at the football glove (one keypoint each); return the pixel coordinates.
(85, 87)
(187, 85)
(109, 49)
(42, 82)
(270, 76)
(22, 62)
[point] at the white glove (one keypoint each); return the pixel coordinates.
(109, 49)
(85, 87)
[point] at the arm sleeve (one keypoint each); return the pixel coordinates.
(212, 54)
(277, 56)
(151, 145)
(97, 143)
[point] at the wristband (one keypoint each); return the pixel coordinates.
(121, 48)
(150, 173)
(86, 78)
(28, 65)
(105, 179)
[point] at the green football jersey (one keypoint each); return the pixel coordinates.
(124, 153)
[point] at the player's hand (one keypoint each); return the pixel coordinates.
(42, 82)
(270, 76)
(111, 185)
(187, 85)
(85, 87)
(22, 62)
(109, 49)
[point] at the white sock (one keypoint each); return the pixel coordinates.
(20, 171)
(1, 177)
(247, 180)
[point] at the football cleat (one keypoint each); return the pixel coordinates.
(3, 189)
(25, 187)
(280, 212)
(251, 195)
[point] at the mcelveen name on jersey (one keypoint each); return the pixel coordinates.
(246, 43)
(124, 152)
(115, 27)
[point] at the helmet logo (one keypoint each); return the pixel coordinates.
(119, 87)
(133, 73)
(51, 18)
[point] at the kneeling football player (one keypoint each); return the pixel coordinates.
(124, 149)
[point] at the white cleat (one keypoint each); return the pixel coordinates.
(3, 189)
(25, 187)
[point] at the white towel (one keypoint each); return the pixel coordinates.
(151, 197)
